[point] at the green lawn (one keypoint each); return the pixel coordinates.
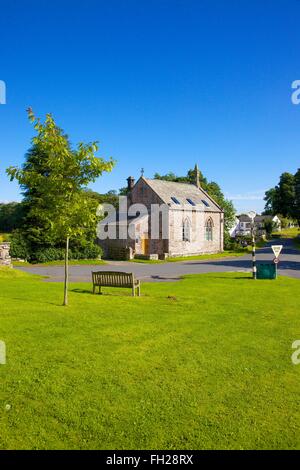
(224, 254)
(293, 233)
(288, 232)
(202, 363)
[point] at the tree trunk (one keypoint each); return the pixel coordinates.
(66, 273)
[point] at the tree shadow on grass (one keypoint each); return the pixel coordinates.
(223, 275)
(165, 279)
(26, 299)
(122, 293)
(81, 291)
(293, 265)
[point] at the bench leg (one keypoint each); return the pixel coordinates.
(100, 292)
(133, 292)
(94, 288)
(139, 290)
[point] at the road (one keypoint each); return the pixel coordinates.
(289, 265)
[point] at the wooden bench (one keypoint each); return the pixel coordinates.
(115, 279)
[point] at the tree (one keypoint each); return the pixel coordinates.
(281, 199)
(111, 197)
(189, 178)
(61, 203)
(269, 227)
(286, 195)
(271, 198)
(285, 221)
(11, 216)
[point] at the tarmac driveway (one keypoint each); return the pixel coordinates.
(289, 265)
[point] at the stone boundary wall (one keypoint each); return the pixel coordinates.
(5, 259)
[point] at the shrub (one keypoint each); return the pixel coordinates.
(232, 244)
(47, 254)
(19, 247)
(269, 227)
(92, 252)
(227, 241)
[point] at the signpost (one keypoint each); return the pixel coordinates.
(252, 216)
(276, 250)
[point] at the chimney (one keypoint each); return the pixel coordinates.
(197, 176)
(130, 183)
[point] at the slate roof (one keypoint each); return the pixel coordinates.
(182, 191)
(258, 218)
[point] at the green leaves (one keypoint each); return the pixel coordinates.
(59, 174)
(283, 198)
(54, 178)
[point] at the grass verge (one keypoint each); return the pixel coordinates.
(203, 363)
(224, 254)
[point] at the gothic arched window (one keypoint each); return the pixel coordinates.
(186, 231)
(209, 225)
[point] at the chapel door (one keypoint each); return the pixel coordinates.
(145, 244)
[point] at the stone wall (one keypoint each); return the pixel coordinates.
(174, 245)
(117, 249)
(5, 259)
(143, 194)
(197, 244)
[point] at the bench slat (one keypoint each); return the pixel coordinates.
(113, 279)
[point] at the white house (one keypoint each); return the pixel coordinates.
(242, 225)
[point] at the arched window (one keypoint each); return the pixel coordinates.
(209, 225)
(186, 231)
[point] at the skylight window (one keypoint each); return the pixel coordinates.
(190, 202)
(205, 203)
(175, 200)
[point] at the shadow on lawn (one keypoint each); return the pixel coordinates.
(246, 264)
(165, 279)
(22, 299)
(238, 276)
(82, 291)
(103, 294)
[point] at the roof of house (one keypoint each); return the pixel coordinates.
(122, 219)
(257, 219)
(179, 194)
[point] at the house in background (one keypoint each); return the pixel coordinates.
(242, 225)
(195, 222)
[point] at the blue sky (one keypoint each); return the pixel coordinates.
(161, 84)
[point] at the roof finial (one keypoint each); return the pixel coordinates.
(142, 171)
(197, 176)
